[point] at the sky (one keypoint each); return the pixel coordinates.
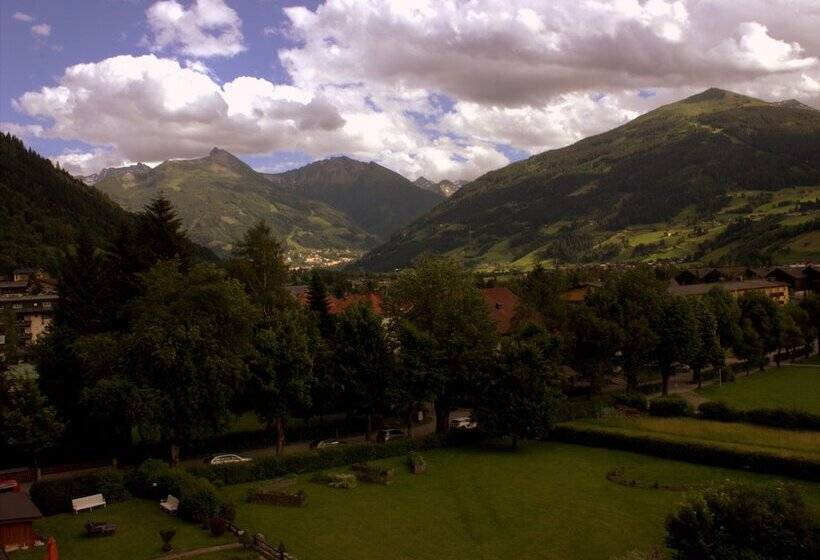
(440, 88)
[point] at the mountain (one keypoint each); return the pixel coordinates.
(131, 170)
(43, 209)
(376, 199)
(445, 187)
(689, 181)
(219, 197)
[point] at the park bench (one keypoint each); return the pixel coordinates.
(100, 528)
(170, 504)
(87, 502)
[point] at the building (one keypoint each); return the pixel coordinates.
(17, 515)
(31, 297)
(778, 291)
(794, 276)
(578, 293)
(691, 276)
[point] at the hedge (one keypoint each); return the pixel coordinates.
(154, 480)
(785, 419)
(691, 452)
(54, 496)
(272, 467)
(669, 406)
(631, 400)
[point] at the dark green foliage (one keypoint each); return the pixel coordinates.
(54, 496)
(259, 263)
(676, 327)
(43, 210)
(371, 473)
(227, 511)
(154, 480)
(632, 400)
(744, 522)
(198, 501)
(592, 342)
(716, 410)
(669, 406)
(687, 154)
(691, 452)
(28, 423)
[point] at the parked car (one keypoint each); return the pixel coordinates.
(463, 423)
(226, 458)
(383, 436)
(325, 443)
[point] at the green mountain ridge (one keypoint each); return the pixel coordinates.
(43, 210)
(219, 196)
(664, 186)
(376, 199)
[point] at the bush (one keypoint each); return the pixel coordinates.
(54, 496)
(718, 411)
(416, 463)
(197, 499)
(371, 473)
(343, 481)
(266, 468)
(669, 407)
(217, 526)
(227, 511)
(692, 452)
(631, 400)
(276, 497)
(154, 480)
(741, 522)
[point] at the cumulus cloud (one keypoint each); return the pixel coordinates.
(41, 30)
(80, 163)
(208, 28)
(22, 130)
(441, 88)
(20, 16)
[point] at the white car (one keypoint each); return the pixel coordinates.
(463, 423)
(227, 459)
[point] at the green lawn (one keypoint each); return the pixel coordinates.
(790, 386)
(137, 538)
(728, 434)
(548, 501)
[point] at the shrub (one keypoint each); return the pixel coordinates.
(631, 400)
(154, 480)
(371, 473)
(217, 526)
(416, 463)
(740, 522)
(692, 452)
(275, 497)
(227, 510)
(669, 406)
(782, 418)
(167, 535)
(54, 496)
(343, 481)
(197, 499)
(718, 411)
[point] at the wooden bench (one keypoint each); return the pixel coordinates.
(87, 502)
(170, 504)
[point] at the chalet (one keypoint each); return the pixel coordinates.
(578, 293)
(17, 515)
(794, 276)
(778, 291)
(691, 276)
(31, 296)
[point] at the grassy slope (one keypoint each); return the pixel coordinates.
(651, 181)
(547, 501)
(785, 387)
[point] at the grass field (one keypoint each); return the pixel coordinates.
(547, 501)
(791, 386)
(735, 435)
(137, 538)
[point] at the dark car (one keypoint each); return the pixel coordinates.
(390, 434)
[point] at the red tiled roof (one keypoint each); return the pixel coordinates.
(336, 305)
(502, 304)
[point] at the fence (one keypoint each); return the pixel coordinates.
(258, 543)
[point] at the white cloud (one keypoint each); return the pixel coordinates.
(79, 163)
(209, 28)
(22, 130)
(41, 30)
(20, 16)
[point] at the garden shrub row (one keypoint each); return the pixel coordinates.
(154, 480)
(372, 473)
(276, 497)
(668, 407)
(54, 496)
(272, 467)
(691, 452)
(785, 419)
(635, 400)
(576, 409)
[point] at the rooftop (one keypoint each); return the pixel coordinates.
(737, 286)
(16, 507)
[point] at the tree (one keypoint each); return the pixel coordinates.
(364, 361)
(86, 302)
(727, 316)
(797, 328)
(521, 398)
(540, 292)
(188, 340)
(10, 349)
(677, 330)
(706, 349)
(317, 303)
(763, 316)
(750, 348)
(281, 369)
(811, 305)
(744, 522)
(439, 298)
(259, 263)
(632, 300)
(160, 234)
(28, 424)
(592, 342)
(415, 379)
